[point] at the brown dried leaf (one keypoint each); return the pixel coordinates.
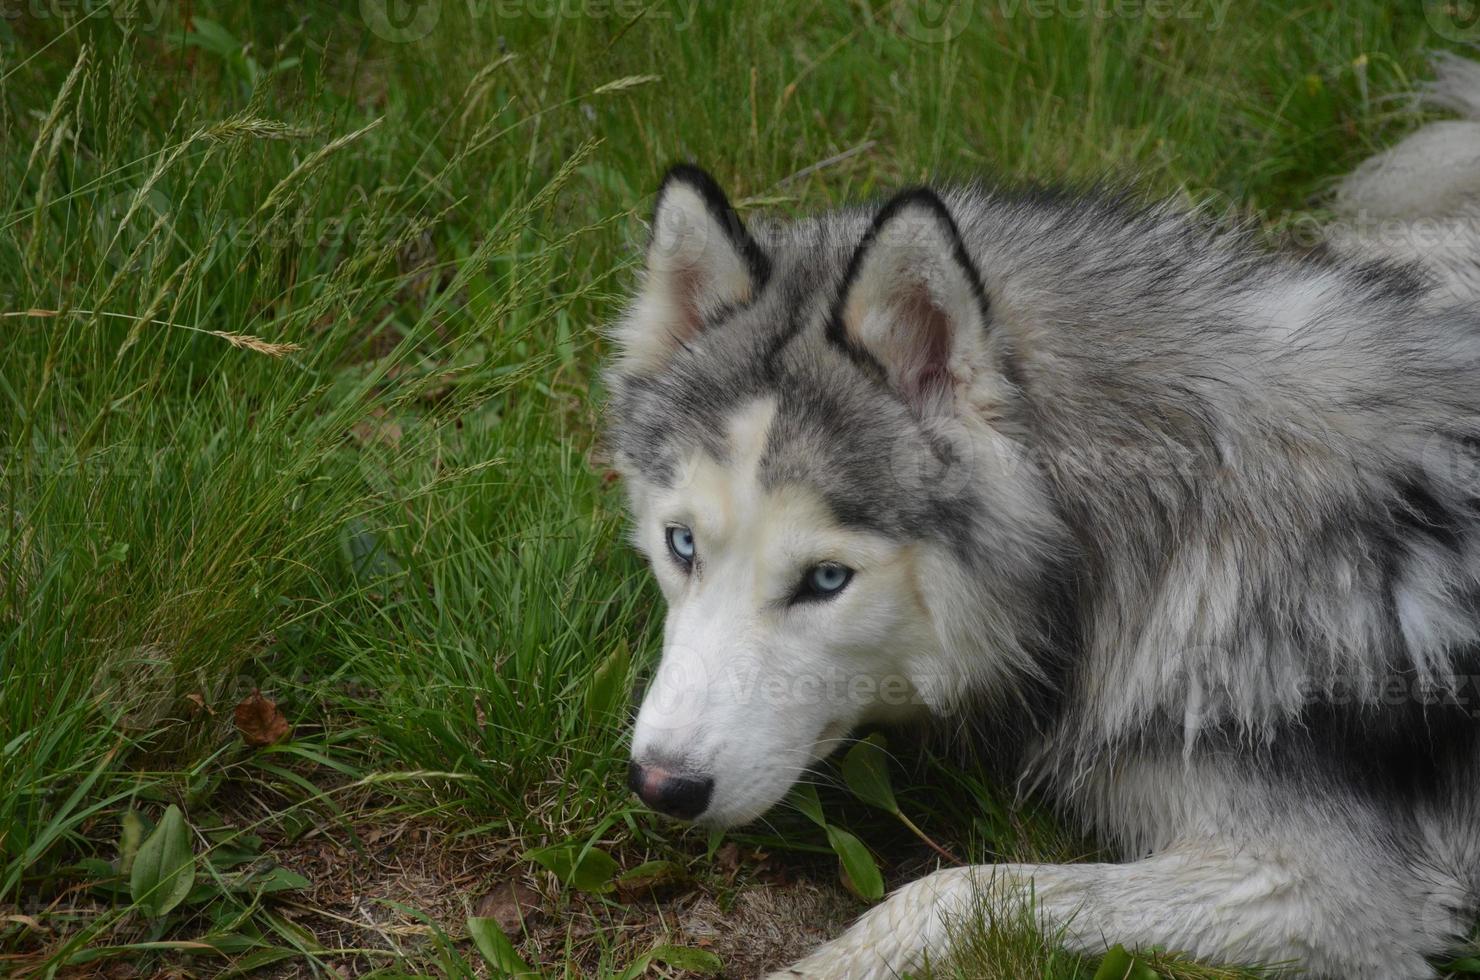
(510, 905)
(728, 857)
(259, 720)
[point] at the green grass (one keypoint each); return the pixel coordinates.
(402, 531)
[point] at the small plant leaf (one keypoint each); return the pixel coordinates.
(224, 857)
(116, 553)
(164, 868)
(496, 948)
(859, 871)
(866, 771)
(649, 877)
(689, 958)
(804, 798)
(1118, 964)
(586, 869)
(1115, 965)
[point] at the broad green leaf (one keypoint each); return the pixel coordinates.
(1465, 964)
(1115, 965)
(804, 797)
(497, 950)
(102, 876)
(688, 958)
(1119, 964)
(96, 868)
(860, 872)
(164, 868)
(224, 857)
(213, 37)
(651, 874)
(587, 869)
(637, 967)
(866, 771)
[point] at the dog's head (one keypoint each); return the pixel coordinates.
(815, 429)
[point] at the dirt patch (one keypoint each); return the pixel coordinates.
(753, 918)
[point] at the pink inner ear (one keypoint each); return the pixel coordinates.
(685, 298)
(924, 335)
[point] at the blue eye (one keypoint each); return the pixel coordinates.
(826, 580)
(681, 543)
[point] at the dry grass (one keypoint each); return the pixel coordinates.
(241, 341)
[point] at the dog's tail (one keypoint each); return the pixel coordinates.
(1433, 173)
(1419, 201)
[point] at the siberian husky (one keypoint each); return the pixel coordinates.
(1187, 528)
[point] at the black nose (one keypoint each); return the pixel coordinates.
(677, 794)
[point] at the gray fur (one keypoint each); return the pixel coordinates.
(1233, 587)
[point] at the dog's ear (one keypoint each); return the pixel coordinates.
(912, 306)
(700, 260)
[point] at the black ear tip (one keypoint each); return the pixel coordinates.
(915, 197)
(718, 205)
(693, 176)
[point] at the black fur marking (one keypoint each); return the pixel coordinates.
(777, 343)
(1419, 510)
(1405, 749)
(724, 215)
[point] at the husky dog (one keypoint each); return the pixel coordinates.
(1188, 529)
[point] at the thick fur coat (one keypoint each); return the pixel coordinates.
(1188, 527)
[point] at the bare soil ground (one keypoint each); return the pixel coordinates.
(764, 912)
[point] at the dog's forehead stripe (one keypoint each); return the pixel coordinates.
(749, 428)
(726, 487)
